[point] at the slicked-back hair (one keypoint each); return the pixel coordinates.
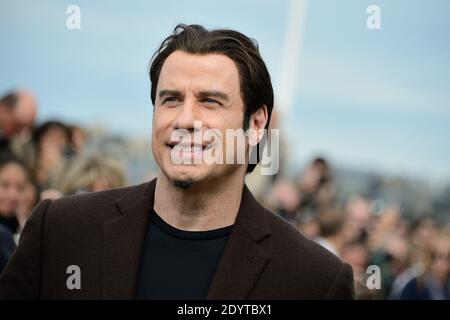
(255, 83)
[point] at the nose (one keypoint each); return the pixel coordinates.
(186, 116)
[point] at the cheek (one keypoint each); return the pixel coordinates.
(158, 140)
(2, 196)
(155, 145)
(229, 119)
(163, 118)
(224, 122)
(158, 127)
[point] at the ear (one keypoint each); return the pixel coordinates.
(257, 124)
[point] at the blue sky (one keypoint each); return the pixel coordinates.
(366, 99)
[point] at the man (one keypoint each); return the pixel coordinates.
(17, 115)
(331, 222)
(196, 231)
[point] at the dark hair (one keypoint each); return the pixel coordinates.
(331, 220)
(255, 83)
(6, 159)
(325, 174)
(41, 130)
(9, 100)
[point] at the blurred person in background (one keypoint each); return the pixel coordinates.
(315, 185)
(384, 223)
(25, 113)
(308, 225)
(434, 282)
(17, 115)
(357, 255)
(284, 199)
(420, 237)
(29, 198)
(331, 236)
(393, 258)
(90, 174)
(7, 104)
(79, 138)
(7, 130)
(358, 218)
(389, 246)
(52, 145)
(13, 179)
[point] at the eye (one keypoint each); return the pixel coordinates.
(211, 101)
(169, 99)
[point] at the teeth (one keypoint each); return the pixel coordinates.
(191, 149)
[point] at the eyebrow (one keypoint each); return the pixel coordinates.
(202, 94)
(213, 94)
(167, 92)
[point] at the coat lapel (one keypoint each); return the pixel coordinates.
(123, 239)
(243, 259)
(241, 264)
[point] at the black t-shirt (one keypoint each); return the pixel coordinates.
(178, 264)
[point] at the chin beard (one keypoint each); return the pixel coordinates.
(184, 184)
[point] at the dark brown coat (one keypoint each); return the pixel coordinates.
(103, 233)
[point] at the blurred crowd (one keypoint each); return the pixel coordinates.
(41, 161)
(49, 160)
(412, 255)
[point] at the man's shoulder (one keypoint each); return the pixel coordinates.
(104, 195)
(303, 268)
(94, 206)
(292, 246)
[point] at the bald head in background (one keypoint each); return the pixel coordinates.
(18, 112)
(25, 111)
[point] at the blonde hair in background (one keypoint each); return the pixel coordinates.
(91, 173)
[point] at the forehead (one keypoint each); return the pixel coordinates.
(183, 70)
(12, 169)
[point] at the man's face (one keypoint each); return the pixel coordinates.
(25, 112)
(192, 88)
(14, 120)
(6, 121)
(12, 183)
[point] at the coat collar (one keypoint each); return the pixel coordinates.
(123, 240)
(242, 261)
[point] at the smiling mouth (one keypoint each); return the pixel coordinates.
(189, 148)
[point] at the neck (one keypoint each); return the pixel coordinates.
(336, 241)
(201, 207)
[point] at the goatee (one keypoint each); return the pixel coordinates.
(184, 184)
